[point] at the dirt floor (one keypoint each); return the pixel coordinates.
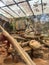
(8, 61)
(41, 61)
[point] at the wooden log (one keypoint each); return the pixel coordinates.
(24, 44)
(27, 48)
(16, 36)
(18, 48)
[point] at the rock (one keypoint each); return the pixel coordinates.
(47, 43)
(34, 44)
(45, 49)
(38, 54)
(20, 25)
(46, 56)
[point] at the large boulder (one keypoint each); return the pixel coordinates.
(20, 25)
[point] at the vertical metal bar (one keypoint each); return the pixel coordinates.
(29, 6)
(42, 7)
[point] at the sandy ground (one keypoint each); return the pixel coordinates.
(8, 61)
(41, 61)
(38, 61)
